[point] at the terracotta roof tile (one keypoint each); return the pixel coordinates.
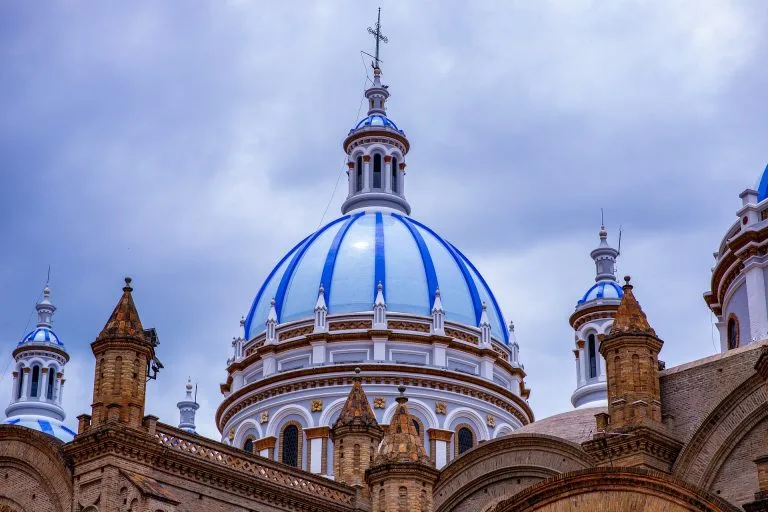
(401, 442)
(630, 317)
(124, 323)
(356, 411)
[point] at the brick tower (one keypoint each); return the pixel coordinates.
(356, 436)
(123, 355)
(402, 477)
(632, 432)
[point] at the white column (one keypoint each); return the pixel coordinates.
(758, 315)
(577, 360)
(583, 372)
(316, 449)
(438, 354)
(26, 384)
(43, 394)
(441, 454)
(367, 167)
(379, 349)
(351, 177)
(601, 367)
(14, 388)
(318, 352)
(388, 174)
(486, 367)
(61, 391)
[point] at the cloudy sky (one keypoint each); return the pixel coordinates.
(190, 144)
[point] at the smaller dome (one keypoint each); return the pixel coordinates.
(603, 290)
(376, 120)
(42, 335)
(43, 424)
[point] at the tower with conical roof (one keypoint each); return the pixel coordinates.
(593, 318)
(402, 476)
(38, 377)
(123, 356)
(356, 435)
(187, 409)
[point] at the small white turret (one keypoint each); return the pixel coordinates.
(187, 409)
(321, 311)
(379, 309)
(438, 315)
(485, 328)
(515, 359)
(271, 324)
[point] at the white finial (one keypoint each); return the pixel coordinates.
(379, 309)
(513, 344)
(321, 311)
(271, 324)
(485, 328)
(438, 315)
(45, 309)
(187, 408)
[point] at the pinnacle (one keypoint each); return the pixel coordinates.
(356, 411)
(401, 442)
(630, 317)
(124, 323)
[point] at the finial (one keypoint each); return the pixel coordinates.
(401, 398)
(627, 285)
(511, 326)
(379, 286)
(127, 287)
(357, 374)
(242, 321)
(189, 384)
(627, 279)
(379, 37)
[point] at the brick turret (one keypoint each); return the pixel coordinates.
(356, 435)
(632, 432)
(402, 476)
(123, 355)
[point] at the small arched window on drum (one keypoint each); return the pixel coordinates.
(248, 446)
(733, 333)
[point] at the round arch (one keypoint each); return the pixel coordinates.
(414, 405)
(247, 428)
(467, 415)
(284, 413)
(328, 412)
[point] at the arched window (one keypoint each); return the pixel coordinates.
(733, 333)
(359, 175)
(382, 501)
(394, 175)
(35, 381)
(290, 446)
(377, 171)
(402, 499)
(51, 380)
(21, 383)
(417, 426)
(248, 446)
(466, 439)
(591, 348)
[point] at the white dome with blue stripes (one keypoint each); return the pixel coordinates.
(50, 426)
(42, 335)
(350, 255)
(603, 290)
(376, 121)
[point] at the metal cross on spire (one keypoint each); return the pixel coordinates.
(378, 36)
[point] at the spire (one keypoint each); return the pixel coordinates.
(438, 315)
(630, 318)
(605, 258)
(513, 344)
(271, 324)
(187, 409)
(124, 323)
(379, 309)
(357, 411)
(401, 442)
(45, 309)
(485, 327)
(321, 311)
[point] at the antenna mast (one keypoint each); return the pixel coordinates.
(379, 37)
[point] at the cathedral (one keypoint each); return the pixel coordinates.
(376, 371)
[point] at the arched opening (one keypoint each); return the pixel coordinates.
(289, 450)
(394, 175)
(377, 171)
(417, 426)
(402, 499)
(248, 446)
(733, 333)
(51, 380)
(21, 383)
(35, 381)
(592, 349)
(466, 439)
(359, 174)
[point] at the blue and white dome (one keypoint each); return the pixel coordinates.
(350, 255)
(603, 290)
(762, 185)
(50, 426)
(42, 335)
(376, 120)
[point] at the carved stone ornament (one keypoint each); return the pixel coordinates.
(379, 402)
(490, 420)
(232, 434)
(317, 405)
(264, 417)
(440, 408)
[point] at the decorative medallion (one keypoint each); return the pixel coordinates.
(317, 405)
(264, 417)
(490, 420)
(379, 402)
(440, 408)
(231, 434)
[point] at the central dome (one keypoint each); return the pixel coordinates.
(352, 254)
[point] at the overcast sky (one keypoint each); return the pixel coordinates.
(191, 144)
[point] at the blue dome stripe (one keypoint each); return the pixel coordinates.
(45, 426)
(426, 259)
(13, 421)
(762, 189)
(252, 312)
(503, 326)
(283, 287)
(330, 261)
(477, 304)
(68, 431)
(379, 257)
(601, 291)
